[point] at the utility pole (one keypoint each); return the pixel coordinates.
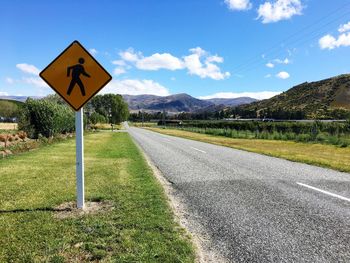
(163, 117)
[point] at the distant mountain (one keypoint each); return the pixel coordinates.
(19, 98)
(232, 102)
(178, 103)
(319, 99)
(174, 103)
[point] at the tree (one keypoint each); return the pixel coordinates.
(8, 109)
(111, 106)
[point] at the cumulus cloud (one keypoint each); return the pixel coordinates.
(344, 28)
(207, 68)
(119, 63)
(270, 12)
(135, 87)
(238, 4)
(93, 51)
(27, 68)
(3, 93)
(268, 76)
(35, 81)
(130, 55)
(119, 70)
(283, 75)
(199, 62)
(259, 95)
(270, 65)
(159, 61)
(331, 42)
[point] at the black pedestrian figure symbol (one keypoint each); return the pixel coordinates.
(77, 70)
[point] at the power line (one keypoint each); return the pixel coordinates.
(297, 42)
(296, 34)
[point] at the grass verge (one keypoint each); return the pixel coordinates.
(140, 228)
(316, 154)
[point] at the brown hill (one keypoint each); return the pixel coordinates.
(329, 98)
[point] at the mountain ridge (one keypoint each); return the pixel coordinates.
(176, 103)
(318, 99)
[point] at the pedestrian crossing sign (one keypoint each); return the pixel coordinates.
(75, 75)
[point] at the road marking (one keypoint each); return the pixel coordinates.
(197, 150)
(325, 192)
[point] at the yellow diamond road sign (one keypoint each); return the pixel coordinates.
(75, 75)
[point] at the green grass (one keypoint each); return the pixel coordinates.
(329, 156)
(141, 227)
(342, 140)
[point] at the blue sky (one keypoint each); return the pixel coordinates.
(206, 48)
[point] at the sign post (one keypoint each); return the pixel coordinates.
(80, 157)
(76, 76)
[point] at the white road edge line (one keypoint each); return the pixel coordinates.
(198, 150)
(325, 192)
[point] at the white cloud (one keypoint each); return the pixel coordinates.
(130, 55)
(135, 87)
(154, 62)
(344, 28)
(35, 81)
(199, 62)
(283, 75)
(3, 93)
(27, 68)
(119, 70)
(260, 95)
(270, 65)
(119, 62)
(268, 76)
(330, 42)
(286, 61)
(10, 80)
(277, 10)
(159, 61)
(207, 70)
(93, 51)
(238, 4)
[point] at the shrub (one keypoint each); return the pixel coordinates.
(97, 118)
(46, 118)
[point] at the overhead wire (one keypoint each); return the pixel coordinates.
(295, 38)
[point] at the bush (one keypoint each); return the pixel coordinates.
(46, 118)
(97, 118)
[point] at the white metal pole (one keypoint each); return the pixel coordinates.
(79, 157)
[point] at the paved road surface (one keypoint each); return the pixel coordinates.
(256, 208)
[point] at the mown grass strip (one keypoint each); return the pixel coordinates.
(140, 228)
(316, 154)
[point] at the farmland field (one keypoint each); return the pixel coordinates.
(8, 126)
(139, 228)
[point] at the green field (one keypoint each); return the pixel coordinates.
(330, 156)
(140, 228)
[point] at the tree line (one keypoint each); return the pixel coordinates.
(51, 115)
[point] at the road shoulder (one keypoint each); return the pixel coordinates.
(200, 239)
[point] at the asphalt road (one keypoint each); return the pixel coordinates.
(256, 208)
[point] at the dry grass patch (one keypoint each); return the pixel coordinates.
(8, 126)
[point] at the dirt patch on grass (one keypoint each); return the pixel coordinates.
(70, 210)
